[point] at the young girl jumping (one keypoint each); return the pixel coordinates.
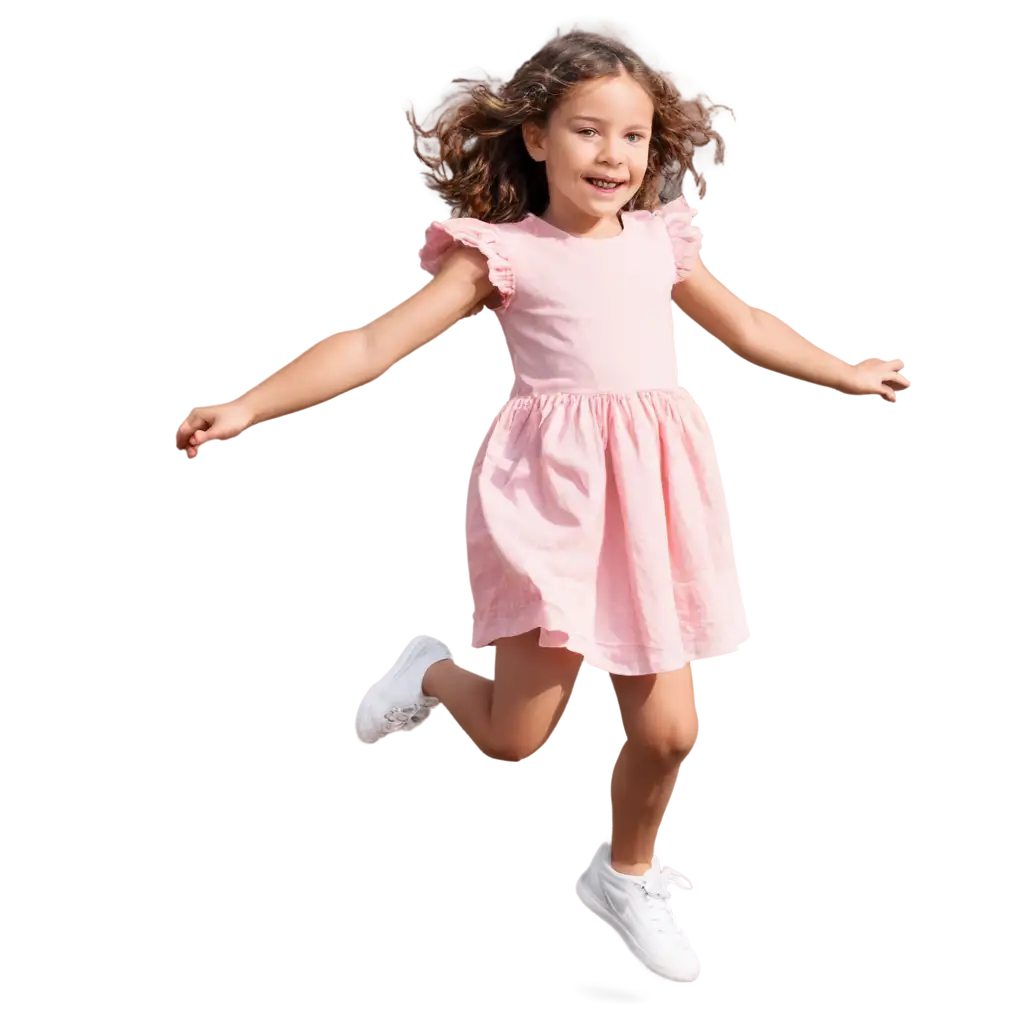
(597, 527)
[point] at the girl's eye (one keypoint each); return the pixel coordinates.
(633, 135)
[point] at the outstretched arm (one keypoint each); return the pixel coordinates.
(351, 359)
(766, 341)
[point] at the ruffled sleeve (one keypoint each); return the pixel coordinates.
(442, 235)
(684, 236)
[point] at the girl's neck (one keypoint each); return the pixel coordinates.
(571, 221)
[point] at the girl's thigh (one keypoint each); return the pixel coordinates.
(658, 710)
(532, 685)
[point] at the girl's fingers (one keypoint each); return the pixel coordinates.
(180, 436)
(193, 430)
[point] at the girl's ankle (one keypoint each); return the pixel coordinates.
(425, 684)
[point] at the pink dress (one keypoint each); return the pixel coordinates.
(595, 510)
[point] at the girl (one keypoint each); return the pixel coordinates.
(597, 527)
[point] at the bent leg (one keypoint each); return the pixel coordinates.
(512, 715)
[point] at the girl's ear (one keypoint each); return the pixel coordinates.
(533, 137)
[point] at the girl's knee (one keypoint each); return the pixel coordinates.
(531, 689)
(665, 737)
(670, 744)
(658, 714)
(513, 748)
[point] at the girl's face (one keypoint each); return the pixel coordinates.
(600, 130)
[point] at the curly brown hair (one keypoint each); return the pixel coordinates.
(480, 140)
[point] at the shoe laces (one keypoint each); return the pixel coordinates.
(655, 885)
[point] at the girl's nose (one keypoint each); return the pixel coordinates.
(613, 158)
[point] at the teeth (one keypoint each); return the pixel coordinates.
(598, 181)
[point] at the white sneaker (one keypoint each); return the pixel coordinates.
(636, 906)
(396, 701)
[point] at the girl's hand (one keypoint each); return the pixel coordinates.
(876, 377)
(213, 422)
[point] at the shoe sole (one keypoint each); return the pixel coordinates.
(591, 908)
(365, 729)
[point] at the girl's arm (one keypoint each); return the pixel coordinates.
(757, 336)
(350, 359)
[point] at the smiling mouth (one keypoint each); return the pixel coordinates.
(613, 183)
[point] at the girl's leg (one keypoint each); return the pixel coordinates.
(660, 720)
(505, 714)
(626, 888)
(512, 715)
